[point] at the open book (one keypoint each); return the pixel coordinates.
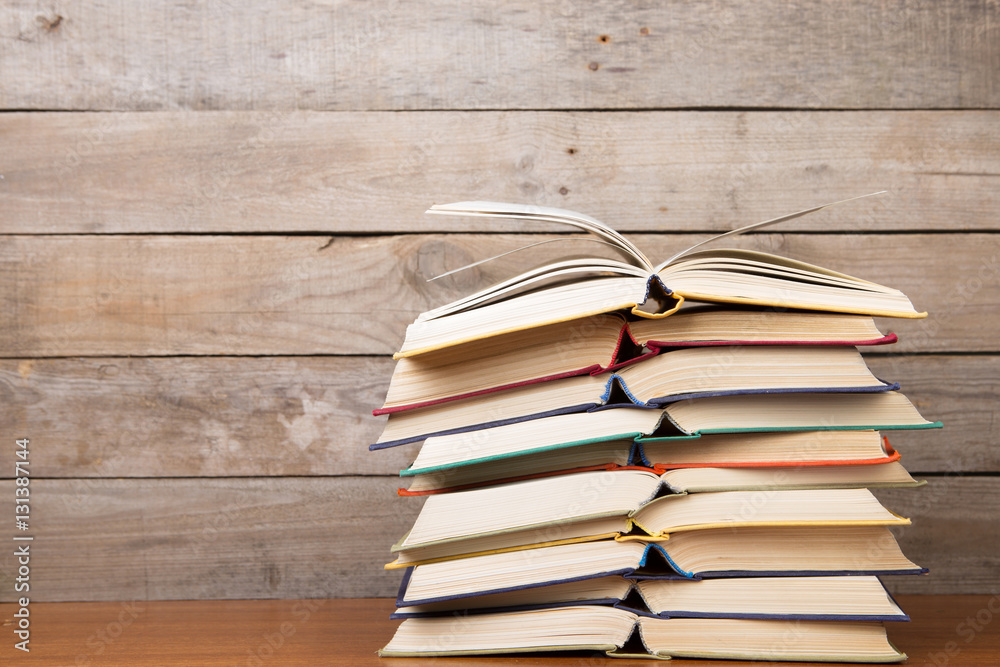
(844, 598)
(652, 428)
(606, 342)
(624, 633)
(595, 505)
(748, 412)
(592, 571)
(575, 288)
(452, 464)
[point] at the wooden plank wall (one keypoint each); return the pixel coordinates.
(211, 240)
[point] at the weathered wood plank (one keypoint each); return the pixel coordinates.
(294, 537)
(165, 295)
(154, 539)
(962, 392)
(221, 417)
(199, 416)
(447, 55)
(954, 534)
(378, 172)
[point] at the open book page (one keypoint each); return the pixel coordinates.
(544, 295)
(547, 214)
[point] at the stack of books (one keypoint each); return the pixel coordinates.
(650, 460)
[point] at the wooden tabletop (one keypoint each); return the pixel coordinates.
(945, 630)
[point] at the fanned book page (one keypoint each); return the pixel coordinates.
(570, 289)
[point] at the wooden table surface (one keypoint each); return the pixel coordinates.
(945, 630)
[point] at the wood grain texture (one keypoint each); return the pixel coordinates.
(378, 172)
(303, 416)
(149, 539)
(200, 416)
(216, 633)
(167, 295)
(962, 392)
(152, 539)
(954, 534)
(305, 633)
(112, 54)
(197, 386)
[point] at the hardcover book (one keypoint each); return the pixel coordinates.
(606, 342)
(749, 412)
(832, 598)
(609, 629)
(574, 288)
(592, 571)
(650, 460)
(595, 505)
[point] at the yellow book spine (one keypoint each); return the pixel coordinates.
(398, 565)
